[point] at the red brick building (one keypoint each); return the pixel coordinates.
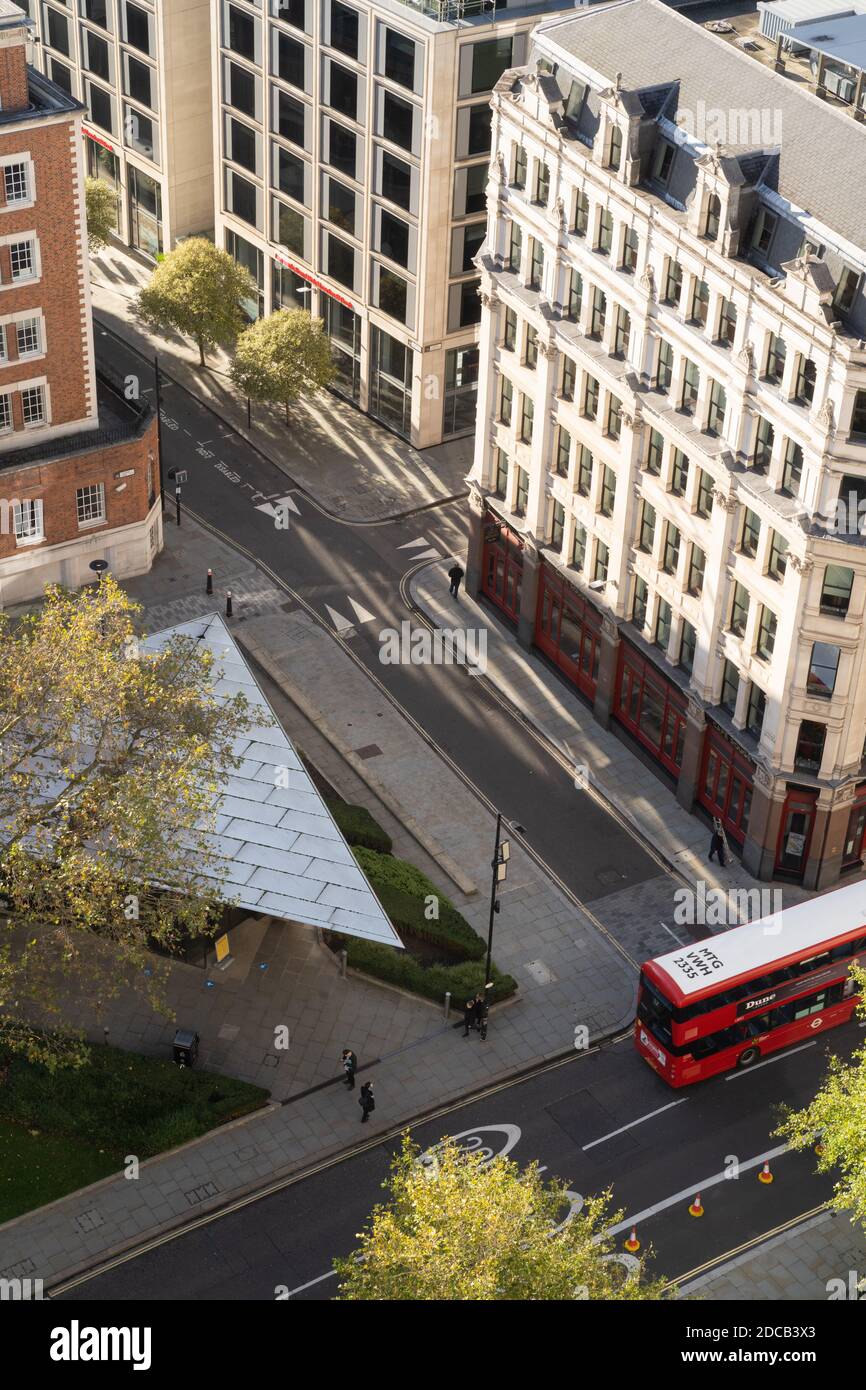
(78, 460)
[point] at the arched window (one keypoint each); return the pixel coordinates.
(714, 217)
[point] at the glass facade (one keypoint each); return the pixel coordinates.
(390, 381)
(145, 212)
(343, 327)
(461, 390)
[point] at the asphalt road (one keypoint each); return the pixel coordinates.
(601, 1119)
(328, 561)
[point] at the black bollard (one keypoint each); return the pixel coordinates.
(228, 603)
(209, 585)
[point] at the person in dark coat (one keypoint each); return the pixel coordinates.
(455, 574)
(350, 1066)
(366, 1101)
(717, 842)
(481, 1012)
(468, 1016)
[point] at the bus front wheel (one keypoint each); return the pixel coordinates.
(749, 1057)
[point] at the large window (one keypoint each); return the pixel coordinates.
(823, 667)
(739, 610)
(90, 504)
(809, 752)
(290, 174)
(340, 206)
(342, 147)
(241, 33)
(400, 58)
(344, 29)
(343, 90)
(137, 27)
(290, 61)
(490, 58)
(836, 591)
(341, 262)
(391, 380)
(767, 625)
(398, 120)
(394, 237)
(393, 294)
(396, 180)
(461, 390)
(291, 122)
(289, 229)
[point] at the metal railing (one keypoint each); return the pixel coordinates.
(139, 411)
(447, 11)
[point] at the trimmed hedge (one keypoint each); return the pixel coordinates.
(358, 826)
(401, 968)
(401, 889)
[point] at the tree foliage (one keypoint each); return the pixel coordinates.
(100, 204)
(197, 290)
(838, 1115)
(282, 357)
(457, 1227)
(110, 766)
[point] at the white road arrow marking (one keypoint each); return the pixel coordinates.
(412, 545)
(427, 555)
(340, 623)
(364, 614)
(270, 508)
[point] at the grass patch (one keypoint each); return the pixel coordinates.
(59, 1132)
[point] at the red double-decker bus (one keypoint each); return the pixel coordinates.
(728, 1001)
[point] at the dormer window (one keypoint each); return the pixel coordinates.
(574, 101)
(764, 229)
(614, 148)
(846, 290)
(663, 161)
(713, 217)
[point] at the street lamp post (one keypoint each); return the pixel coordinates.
(499, 866)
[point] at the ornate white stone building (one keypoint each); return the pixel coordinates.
(671, 444)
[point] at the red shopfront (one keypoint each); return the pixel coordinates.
(651, 708)
(725, 787)
(568, 630)
(795, 832)
(854, 849)
(502, 566)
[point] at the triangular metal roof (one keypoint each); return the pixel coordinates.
(281, 849)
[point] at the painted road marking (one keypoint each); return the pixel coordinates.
(673, 934)
(427, 555)
(780, 1056)
(364, 614)
(270, 508)
(332, 1274)
(631, 1124)
(413, 545)
(688, 1193)
(340, 623)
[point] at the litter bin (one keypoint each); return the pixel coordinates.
(185, 1047)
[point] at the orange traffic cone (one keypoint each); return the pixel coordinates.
(633, 1244)
(696, 1209)
(765, 1175)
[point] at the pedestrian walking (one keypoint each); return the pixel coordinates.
(481, 1014)
(717, 841)
(366, 1101)
(455, 574)
(350, 1066)
(468, 1016)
